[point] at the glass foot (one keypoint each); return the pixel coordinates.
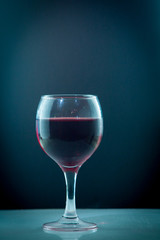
(69, 225)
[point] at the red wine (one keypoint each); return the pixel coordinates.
(69, 141)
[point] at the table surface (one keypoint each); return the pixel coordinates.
(113, 224)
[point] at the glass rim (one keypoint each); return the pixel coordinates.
(56, 96)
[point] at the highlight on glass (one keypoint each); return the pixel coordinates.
(69, 129)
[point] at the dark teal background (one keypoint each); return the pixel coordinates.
(107, 48)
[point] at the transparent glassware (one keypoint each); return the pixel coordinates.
(69, 129)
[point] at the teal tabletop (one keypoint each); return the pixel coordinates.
(113, 224)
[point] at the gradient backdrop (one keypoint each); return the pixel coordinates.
(108, 48)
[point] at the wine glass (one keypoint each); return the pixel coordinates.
(69, 129)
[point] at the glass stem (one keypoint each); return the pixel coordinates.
(70, 209)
